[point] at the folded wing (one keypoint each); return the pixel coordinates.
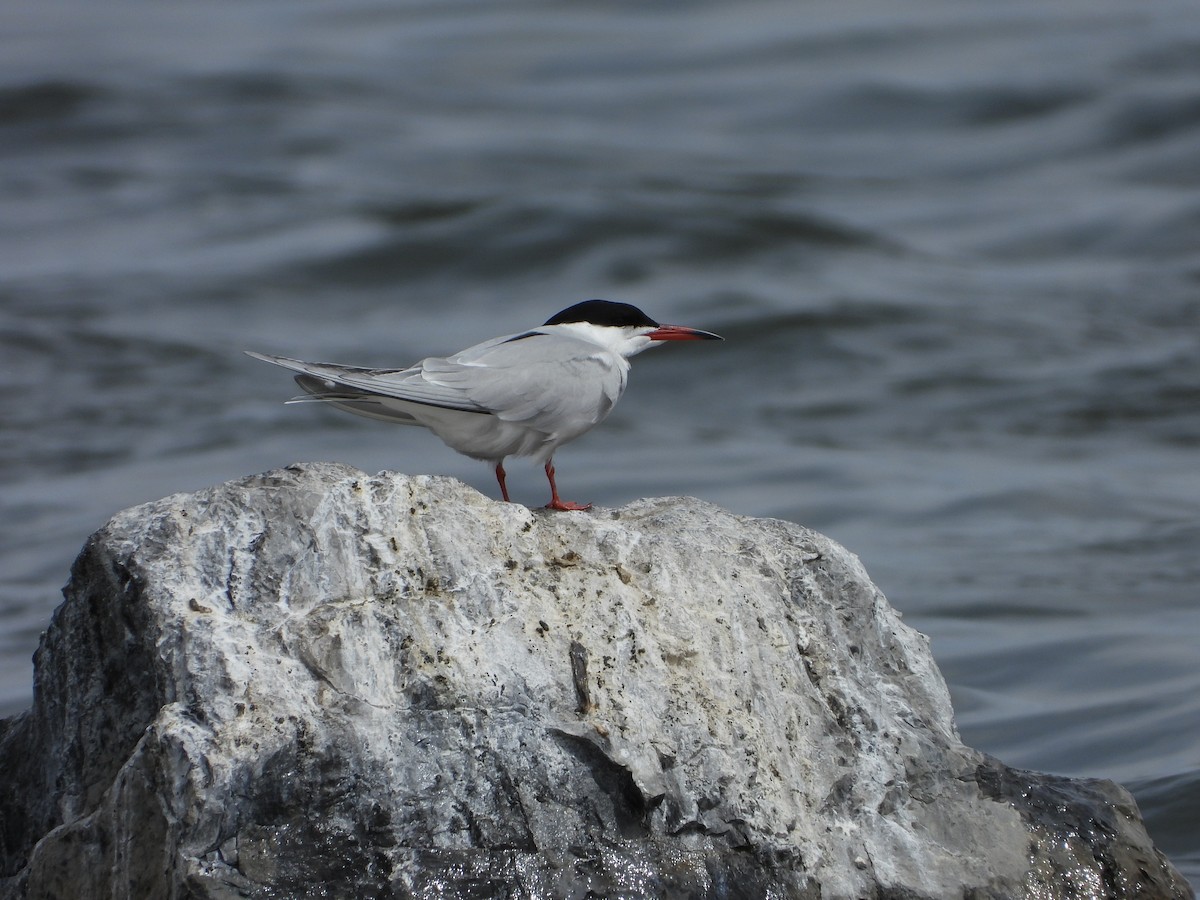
(548, 382)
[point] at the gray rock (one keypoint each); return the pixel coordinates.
(319, 683)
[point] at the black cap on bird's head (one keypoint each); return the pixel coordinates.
(603, 312)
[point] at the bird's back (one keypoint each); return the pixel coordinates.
(518, 395)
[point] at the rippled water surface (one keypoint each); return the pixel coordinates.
(954, 248)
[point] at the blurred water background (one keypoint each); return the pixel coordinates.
(954, 248)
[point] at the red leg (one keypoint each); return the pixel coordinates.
(557, 502)
(500, 475)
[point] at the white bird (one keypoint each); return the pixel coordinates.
(521, 394)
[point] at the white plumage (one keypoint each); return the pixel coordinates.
(522, 394)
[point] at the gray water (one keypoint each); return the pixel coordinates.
(954, 249)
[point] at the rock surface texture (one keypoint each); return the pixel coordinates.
(320, 683)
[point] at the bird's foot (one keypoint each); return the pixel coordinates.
(556, 502)
(567, 505)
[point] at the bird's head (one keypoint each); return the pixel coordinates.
(621, 327)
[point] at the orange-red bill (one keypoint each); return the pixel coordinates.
(682, 333)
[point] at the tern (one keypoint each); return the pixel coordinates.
(522, 394)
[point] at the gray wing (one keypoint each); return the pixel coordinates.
(550, 382)
(368, 391)
(547, 381)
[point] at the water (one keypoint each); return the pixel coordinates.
(954, 247)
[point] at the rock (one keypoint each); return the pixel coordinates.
(319, 683)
